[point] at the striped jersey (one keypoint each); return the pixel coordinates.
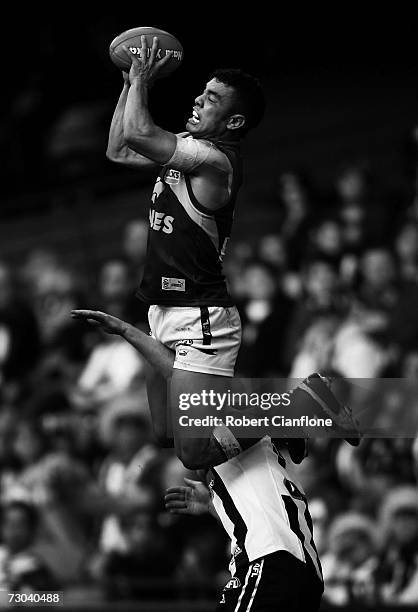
(186, 241)
(262, 506)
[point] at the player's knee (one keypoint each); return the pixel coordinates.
(190, 455)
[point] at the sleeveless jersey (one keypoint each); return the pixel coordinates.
(262, 506)
(186, 241)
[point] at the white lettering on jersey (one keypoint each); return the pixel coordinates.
(160, 221)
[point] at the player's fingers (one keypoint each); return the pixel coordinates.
(154, 49)
(176, 490)
(133, 58)
(176, 494)
(175, 505)
(93, 322)
(162, 62)
(174, 497)
(83, 314)
(144, 48)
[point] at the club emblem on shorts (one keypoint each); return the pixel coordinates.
(234, 583)
(173, 284)
(184, 343)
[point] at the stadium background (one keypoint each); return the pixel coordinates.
(323, 264)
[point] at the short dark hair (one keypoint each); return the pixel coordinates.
(249, 99)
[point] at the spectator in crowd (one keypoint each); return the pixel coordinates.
(406, 247)
(146, 564)
(350, 560)
(123, 469)
(295, 192)
(264, 312)
(321, 297)
(9, 462)
(19, 335)
(360, 207)
(115, 291)
(374, 468)
(397, 573)
(326, 242)
(113, 367)
(22, 570)
(134, 248)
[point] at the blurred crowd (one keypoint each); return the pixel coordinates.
(334, 287)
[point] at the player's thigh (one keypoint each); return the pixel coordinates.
(193, 395)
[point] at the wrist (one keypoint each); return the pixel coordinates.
(124, 329)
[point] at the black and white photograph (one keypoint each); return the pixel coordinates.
(209, 309)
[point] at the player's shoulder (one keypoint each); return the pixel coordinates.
(184, 135)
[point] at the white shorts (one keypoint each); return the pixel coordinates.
(205, 338)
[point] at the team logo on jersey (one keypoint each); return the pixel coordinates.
(173, 284)
(234, 583)
(172, 177)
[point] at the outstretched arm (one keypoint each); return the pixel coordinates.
(156, 354)
(117, 148)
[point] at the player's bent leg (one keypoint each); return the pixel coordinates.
(192, 395)
(157, 401)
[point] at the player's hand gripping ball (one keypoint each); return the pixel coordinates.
(132, 40)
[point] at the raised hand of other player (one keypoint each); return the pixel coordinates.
(146, 66)
(191, 499)
(106, 322)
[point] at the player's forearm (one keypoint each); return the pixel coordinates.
(141, 134)
(157, 355)
(137, 121)
(116, 142)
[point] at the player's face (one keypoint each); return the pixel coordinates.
(212, 110)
